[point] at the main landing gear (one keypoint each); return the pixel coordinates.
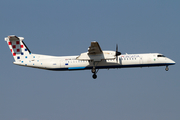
(94, 71)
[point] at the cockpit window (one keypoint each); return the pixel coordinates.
(161, 56)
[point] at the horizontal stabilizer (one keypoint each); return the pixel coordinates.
(13, 37)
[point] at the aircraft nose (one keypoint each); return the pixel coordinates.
(172, 62)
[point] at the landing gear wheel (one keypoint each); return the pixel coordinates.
(94, 70)
(166, 68)
(94, 76)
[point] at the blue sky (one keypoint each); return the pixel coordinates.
(67, 28)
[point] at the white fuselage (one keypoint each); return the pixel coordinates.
(94, 59)
(72, 63)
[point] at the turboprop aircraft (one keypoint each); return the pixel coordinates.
(94, 59)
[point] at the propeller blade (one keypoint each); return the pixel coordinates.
(116, 47)
(117, 53)
(116, 58)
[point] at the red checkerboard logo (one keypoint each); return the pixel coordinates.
(17, 42)
(14, 46)
(9, 43)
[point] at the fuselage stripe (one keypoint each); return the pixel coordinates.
(76, 68)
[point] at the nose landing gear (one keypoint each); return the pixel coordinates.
(166, 68)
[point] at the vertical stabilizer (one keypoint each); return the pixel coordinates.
(18, 48)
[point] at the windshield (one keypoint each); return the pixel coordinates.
(161, 56)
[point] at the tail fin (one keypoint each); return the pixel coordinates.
(18, 48)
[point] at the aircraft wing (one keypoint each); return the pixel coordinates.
(94, 48)
(95, 53)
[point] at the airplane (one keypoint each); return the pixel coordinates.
(94, 59)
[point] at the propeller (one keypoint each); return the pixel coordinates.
(117, 53)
